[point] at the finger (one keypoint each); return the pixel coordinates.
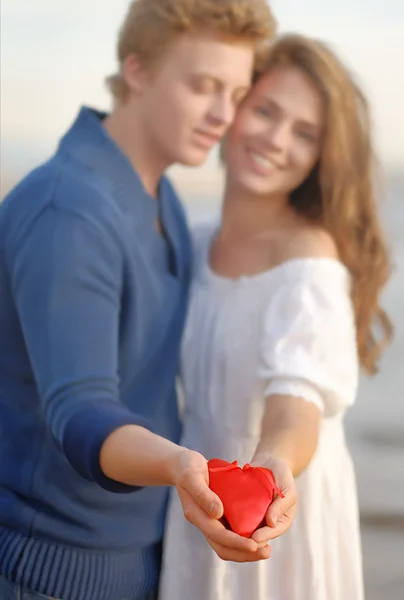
(266, 534)
(227, 526)
(216, 531)
(225, 538)
(199, 490)
(279, 507)
(239, 556)
(262, 535)
(263, 544)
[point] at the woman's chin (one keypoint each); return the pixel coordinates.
(251, 183)
(257, 188)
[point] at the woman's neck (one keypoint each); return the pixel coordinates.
(245, 216)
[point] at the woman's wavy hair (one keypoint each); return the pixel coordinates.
(339, 194)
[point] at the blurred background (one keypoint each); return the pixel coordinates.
(55, 56)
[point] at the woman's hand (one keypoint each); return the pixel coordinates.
(281, 512)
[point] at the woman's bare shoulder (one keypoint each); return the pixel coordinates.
(311, 242)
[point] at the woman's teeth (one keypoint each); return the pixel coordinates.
(262, 161)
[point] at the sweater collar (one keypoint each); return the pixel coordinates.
(89, 143)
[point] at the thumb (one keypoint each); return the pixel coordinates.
(278, 507)
(198, 488)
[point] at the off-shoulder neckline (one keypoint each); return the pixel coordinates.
(290, 266)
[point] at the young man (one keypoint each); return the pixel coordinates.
(94, 274)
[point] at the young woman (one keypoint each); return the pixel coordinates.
(283, 307)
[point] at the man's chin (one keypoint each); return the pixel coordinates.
(194, 159)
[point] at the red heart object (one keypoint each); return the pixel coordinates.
(246, 493)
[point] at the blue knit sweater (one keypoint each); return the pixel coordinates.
(92, 306)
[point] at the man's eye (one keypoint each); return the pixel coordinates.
(203, 86)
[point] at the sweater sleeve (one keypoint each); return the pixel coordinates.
(67, 281)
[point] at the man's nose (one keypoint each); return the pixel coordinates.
(223, 110)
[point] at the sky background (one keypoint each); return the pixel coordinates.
(55, 56)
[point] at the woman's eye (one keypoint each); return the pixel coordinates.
(264, 111)
(307, 136)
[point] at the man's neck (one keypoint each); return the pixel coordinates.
(127, 131)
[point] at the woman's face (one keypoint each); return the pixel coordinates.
(275, 140)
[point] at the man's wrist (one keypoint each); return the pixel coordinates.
(173, 464)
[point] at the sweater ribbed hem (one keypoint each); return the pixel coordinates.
(77, 574)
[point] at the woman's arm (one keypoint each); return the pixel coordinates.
(289, 432)
(309, 369)
(288, 441)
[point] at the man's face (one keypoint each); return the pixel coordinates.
(190, 101)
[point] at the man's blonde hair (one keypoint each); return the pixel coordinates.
(151, 26)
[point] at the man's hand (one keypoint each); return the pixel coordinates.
(204, 509)
(282, 511)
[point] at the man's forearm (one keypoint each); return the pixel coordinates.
(289, 432)
(135, 456)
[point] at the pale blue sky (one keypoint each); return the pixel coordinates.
(55, 56)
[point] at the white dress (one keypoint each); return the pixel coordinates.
(289, 330)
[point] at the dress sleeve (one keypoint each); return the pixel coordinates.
(309, 340)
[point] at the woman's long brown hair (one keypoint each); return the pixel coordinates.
(339, 194)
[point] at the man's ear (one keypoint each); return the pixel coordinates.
(134, 74)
